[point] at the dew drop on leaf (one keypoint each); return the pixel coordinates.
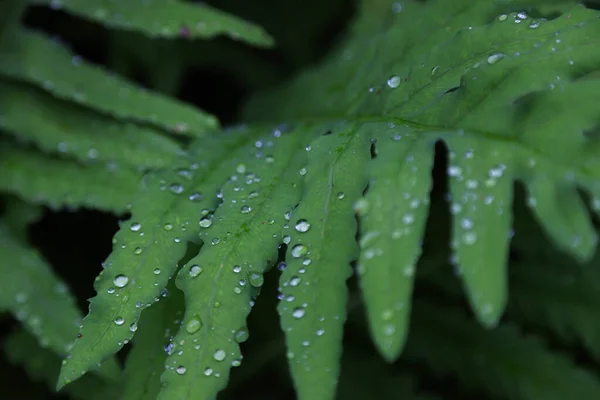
(119, 320)
(245, 209)
(195, 270)
(138, 250)
(393, 81)
(241, 335)
(220, 355)
(295, 281)
(298, 313)
(302, 225)
(196, 196)
(176, 188)
(181, 370)
(193, 325)
(120, 281)
(494, 58)
(205, 222)
(133, 327)
(299, 250)
(208, 371)
(136, 226)
(256, 279)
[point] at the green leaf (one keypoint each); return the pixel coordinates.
(241, 241)
(58, 126)
(146, 361)
(392, 225)
(165, 215)
(165, 19)
(41, 364)
(503, 360)
(498, 88)
(34, 58)
(36, 296)
(33, 177)
(321, 247)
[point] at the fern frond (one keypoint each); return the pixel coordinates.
(66, 128)
(502, 360)
(36, 296)
(166, 19)
(32, 176)
(34, 58)
(392, 225)
(488, 83)
(492, 84)
(165, 216)
(43, 365)
(241, 241)
(146, 361)
(313, 284)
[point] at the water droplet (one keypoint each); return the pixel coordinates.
(386, 315)
(193, 325)
(176, 188)
(138, 250)
(133, 327)
(196, 196)
(181, 370)
(136, 226)
(435, 69)
(241, 168)
(205, 222)
(168, 227)
(494, 58)
(220, 355)
(208, 371)
(245, 209)
(341, 195)
(298, 313)
(470, 238)
(503, 17)
(466, 223)
(286, 239)
(393, 81)
(302, 225)
(295, 281)
(299, 250)
(320, 332)
(120, 281)
(237, 269)
(522, 15)
(241, 335)
(534, 24)
(256, 280)
(195, 270)
(119, 321)
(454, 171)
